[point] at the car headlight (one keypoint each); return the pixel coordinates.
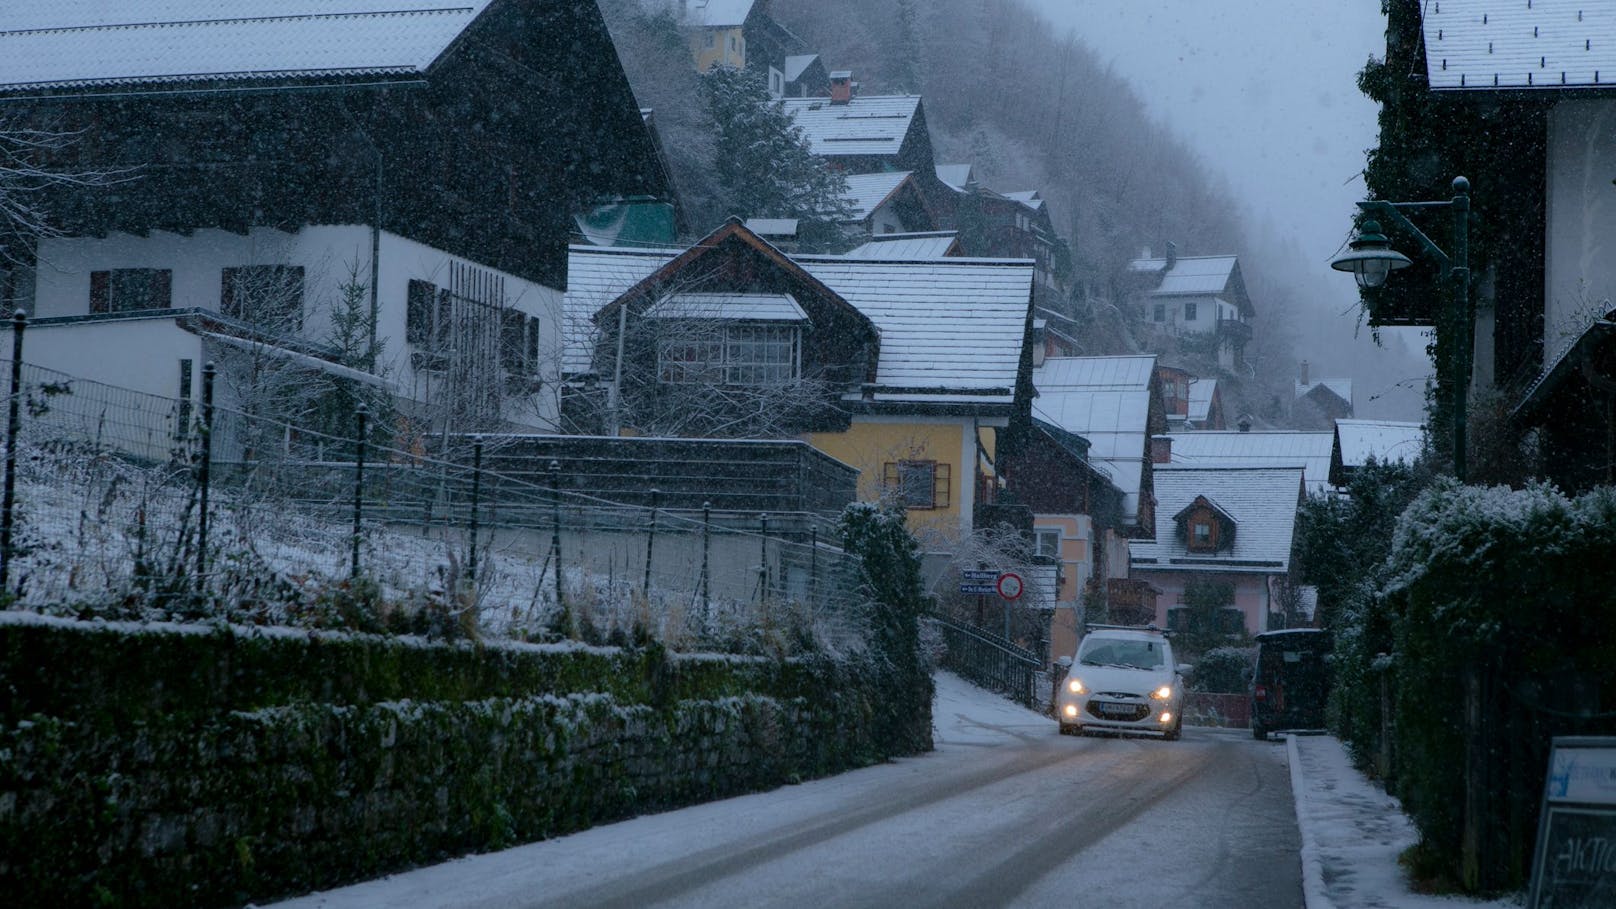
(1162, 693)
(1075, 686)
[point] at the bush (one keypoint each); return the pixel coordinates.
(1223, 670)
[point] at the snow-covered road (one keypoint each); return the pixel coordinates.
(1005, 812)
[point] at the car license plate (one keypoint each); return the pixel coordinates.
(1109, 708)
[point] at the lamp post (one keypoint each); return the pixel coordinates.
(1371, 260)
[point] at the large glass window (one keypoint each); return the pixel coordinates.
(730, 354)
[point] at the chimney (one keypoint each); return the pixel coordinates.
(1244, 423)
(1161, 449)
(841, 87)
(1172, 254)
(1303, 380)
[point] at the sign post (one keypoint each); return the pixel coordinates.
(1575, 860)
(1008, 586)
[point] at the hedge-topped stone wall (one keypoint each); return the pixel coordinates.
(169, 765)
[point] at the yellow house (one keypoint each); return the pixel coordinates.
(906, 370)
(716, 30)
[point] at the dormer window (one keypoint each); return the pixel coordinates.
(728, 339)
(1205, 528)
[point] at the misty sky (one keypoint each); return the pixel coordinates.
(1266, 92)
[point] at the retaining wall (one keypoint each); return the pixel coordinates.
(172, 765)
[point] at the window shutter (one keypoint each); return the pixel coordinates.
(100, 291)
(941, 485)
(162, 288)
(228, 305)
(889, 475)
(533, 343)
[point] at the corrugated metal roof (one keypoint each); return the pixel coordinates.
(728, 307)
(866, 192)
(1106, 400)
(1484, 45)
(1093, 373)
(1261, 500)
(1200, 403)
(945, 324)
(1383, 440)
(1199, 275)
(867, 125)
(930, 245)
(101, 44)
(1271, 448)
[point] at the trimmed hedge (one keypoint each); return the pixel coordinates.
(211, 766)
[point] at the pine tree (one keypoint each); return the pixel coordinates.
(765, 166)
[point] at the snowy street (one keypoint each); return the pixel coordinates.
(1005, 812)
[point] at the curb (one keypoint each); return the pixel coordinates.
(1314, 895)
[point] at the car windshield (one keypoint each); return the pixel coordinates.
(1125, 654)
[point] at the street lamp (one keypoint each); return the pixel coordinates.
(1371, 260)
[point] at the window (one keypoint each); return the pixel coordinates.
(1161, 312)
(918, 484)
(513, 342)
(418, 315)
(268, 296)
(710, 37)
(730, 354)
(130, 289)
(533, 343)
(1048, 543)
(1189, 312)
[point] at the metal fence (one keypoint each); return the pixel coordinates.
(131, 505)
(990, 661)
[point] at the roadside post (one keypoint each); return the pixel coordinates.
(1008, 586)
(1574, 864)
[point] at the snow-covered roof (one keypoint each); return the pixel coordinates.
(772, 227)
(948, 327)
(1258, 448)
(1515, 44)
(1341, 388)
(1261, 500)
(868, 192)
(956, 176)
(103, 44)
(1106, 400)
(1383, 440)
(924, 245)
(729, 307)
(947, 323)
(1198, 275)
(1027, 197)
(1200, 403)
(797, 64)
(717, 13)
(866, 125)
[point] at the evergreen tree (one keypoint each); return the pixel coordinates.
(764, 164)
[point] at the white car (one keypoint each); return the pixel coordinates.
(1124, 680)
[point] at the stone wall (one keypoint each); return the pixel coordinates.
(191, 765)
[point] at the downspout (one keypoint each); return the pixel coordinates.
(614, 402)
(375, 259)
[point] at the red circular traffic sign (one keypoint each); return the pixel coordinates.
(1009, 585)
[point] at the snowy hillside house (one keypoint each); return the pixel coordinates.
(1357, 442)
(1556, 66)
(1223, 545)
(905, 370)
(378, 188)
(737, 34)
(1321, 402)
(889, 202)
(1201, 297)
(1309, 451)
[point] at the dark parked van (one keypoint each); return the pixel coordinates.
(1291, 681)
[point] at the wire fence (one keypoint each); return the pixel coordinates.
(134, 505)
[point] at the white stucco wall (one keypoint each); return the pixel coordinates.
(1580, 267)
(329, 254)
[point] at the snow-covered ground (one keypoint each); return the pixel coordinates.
(1352, 834)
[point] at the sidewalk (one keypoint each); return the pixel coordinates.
(1352, 833)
